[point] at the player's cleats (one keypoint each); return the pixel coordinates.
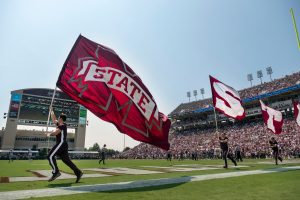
(54, 176)
(78, 177)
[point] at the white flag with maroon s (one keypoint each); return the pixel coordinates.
(272, 118)
(226, 99)
(296, 111)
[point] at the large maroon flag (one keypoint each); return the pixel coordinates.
(296, 111)
(97, 78)
(272, 118)
(226, 99)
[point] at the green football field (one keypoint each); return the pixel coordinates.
(278, 185)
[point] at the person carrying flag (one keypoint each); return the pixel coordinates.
(61, 148)
(274, 146)
(223, 139)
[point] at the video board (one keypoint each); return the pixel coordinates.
(32, 107)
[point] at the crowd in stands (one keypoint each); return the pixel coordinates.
(253, 139)
(276, 84)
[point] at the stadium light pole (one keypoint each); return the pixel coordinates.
(269, 72)
(260, 75)
(188, 94)
(202, 92)
(195, 94)
(250, 78)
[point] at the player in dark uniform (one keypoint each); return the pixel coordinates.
(181, 156)
(103, 154)
(169, 156)
(10, 156)
(238, 153)
(223, 139)
(274, 145)
(29, 155)
(61, 148)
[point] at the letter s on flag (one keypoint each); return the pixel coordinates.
(97, 78)
(226, 99)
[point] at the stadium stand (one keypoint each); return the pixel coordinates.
(276, 84)
(193, 129)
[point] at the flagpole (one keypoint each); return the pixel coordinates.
(216, 122)
(50, 108)
(124, 142)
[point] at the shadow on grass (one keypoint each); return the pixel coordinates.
(145, 189)
(132, 186)
(54, 185)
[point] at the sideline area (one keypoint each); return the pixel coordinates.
(21, 194)
(43, 175)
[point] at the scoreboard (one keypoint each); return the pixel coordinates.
(31, 107)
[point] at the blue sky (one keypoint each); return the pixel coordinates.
(173, 45)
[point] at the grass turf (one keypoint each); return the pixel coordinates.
(281, 185)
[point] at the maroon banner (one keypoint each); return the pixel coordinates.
(226, 99)
(296, 111)
(272, 118)
(97, 78)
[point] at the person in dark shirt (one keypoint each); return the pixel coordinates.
(238, 153)
(103, 154)
(169, 156)
(10, 156)
(181, 156)
(29, 155)
(223, 139)
(61, 148)
(274, 146)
